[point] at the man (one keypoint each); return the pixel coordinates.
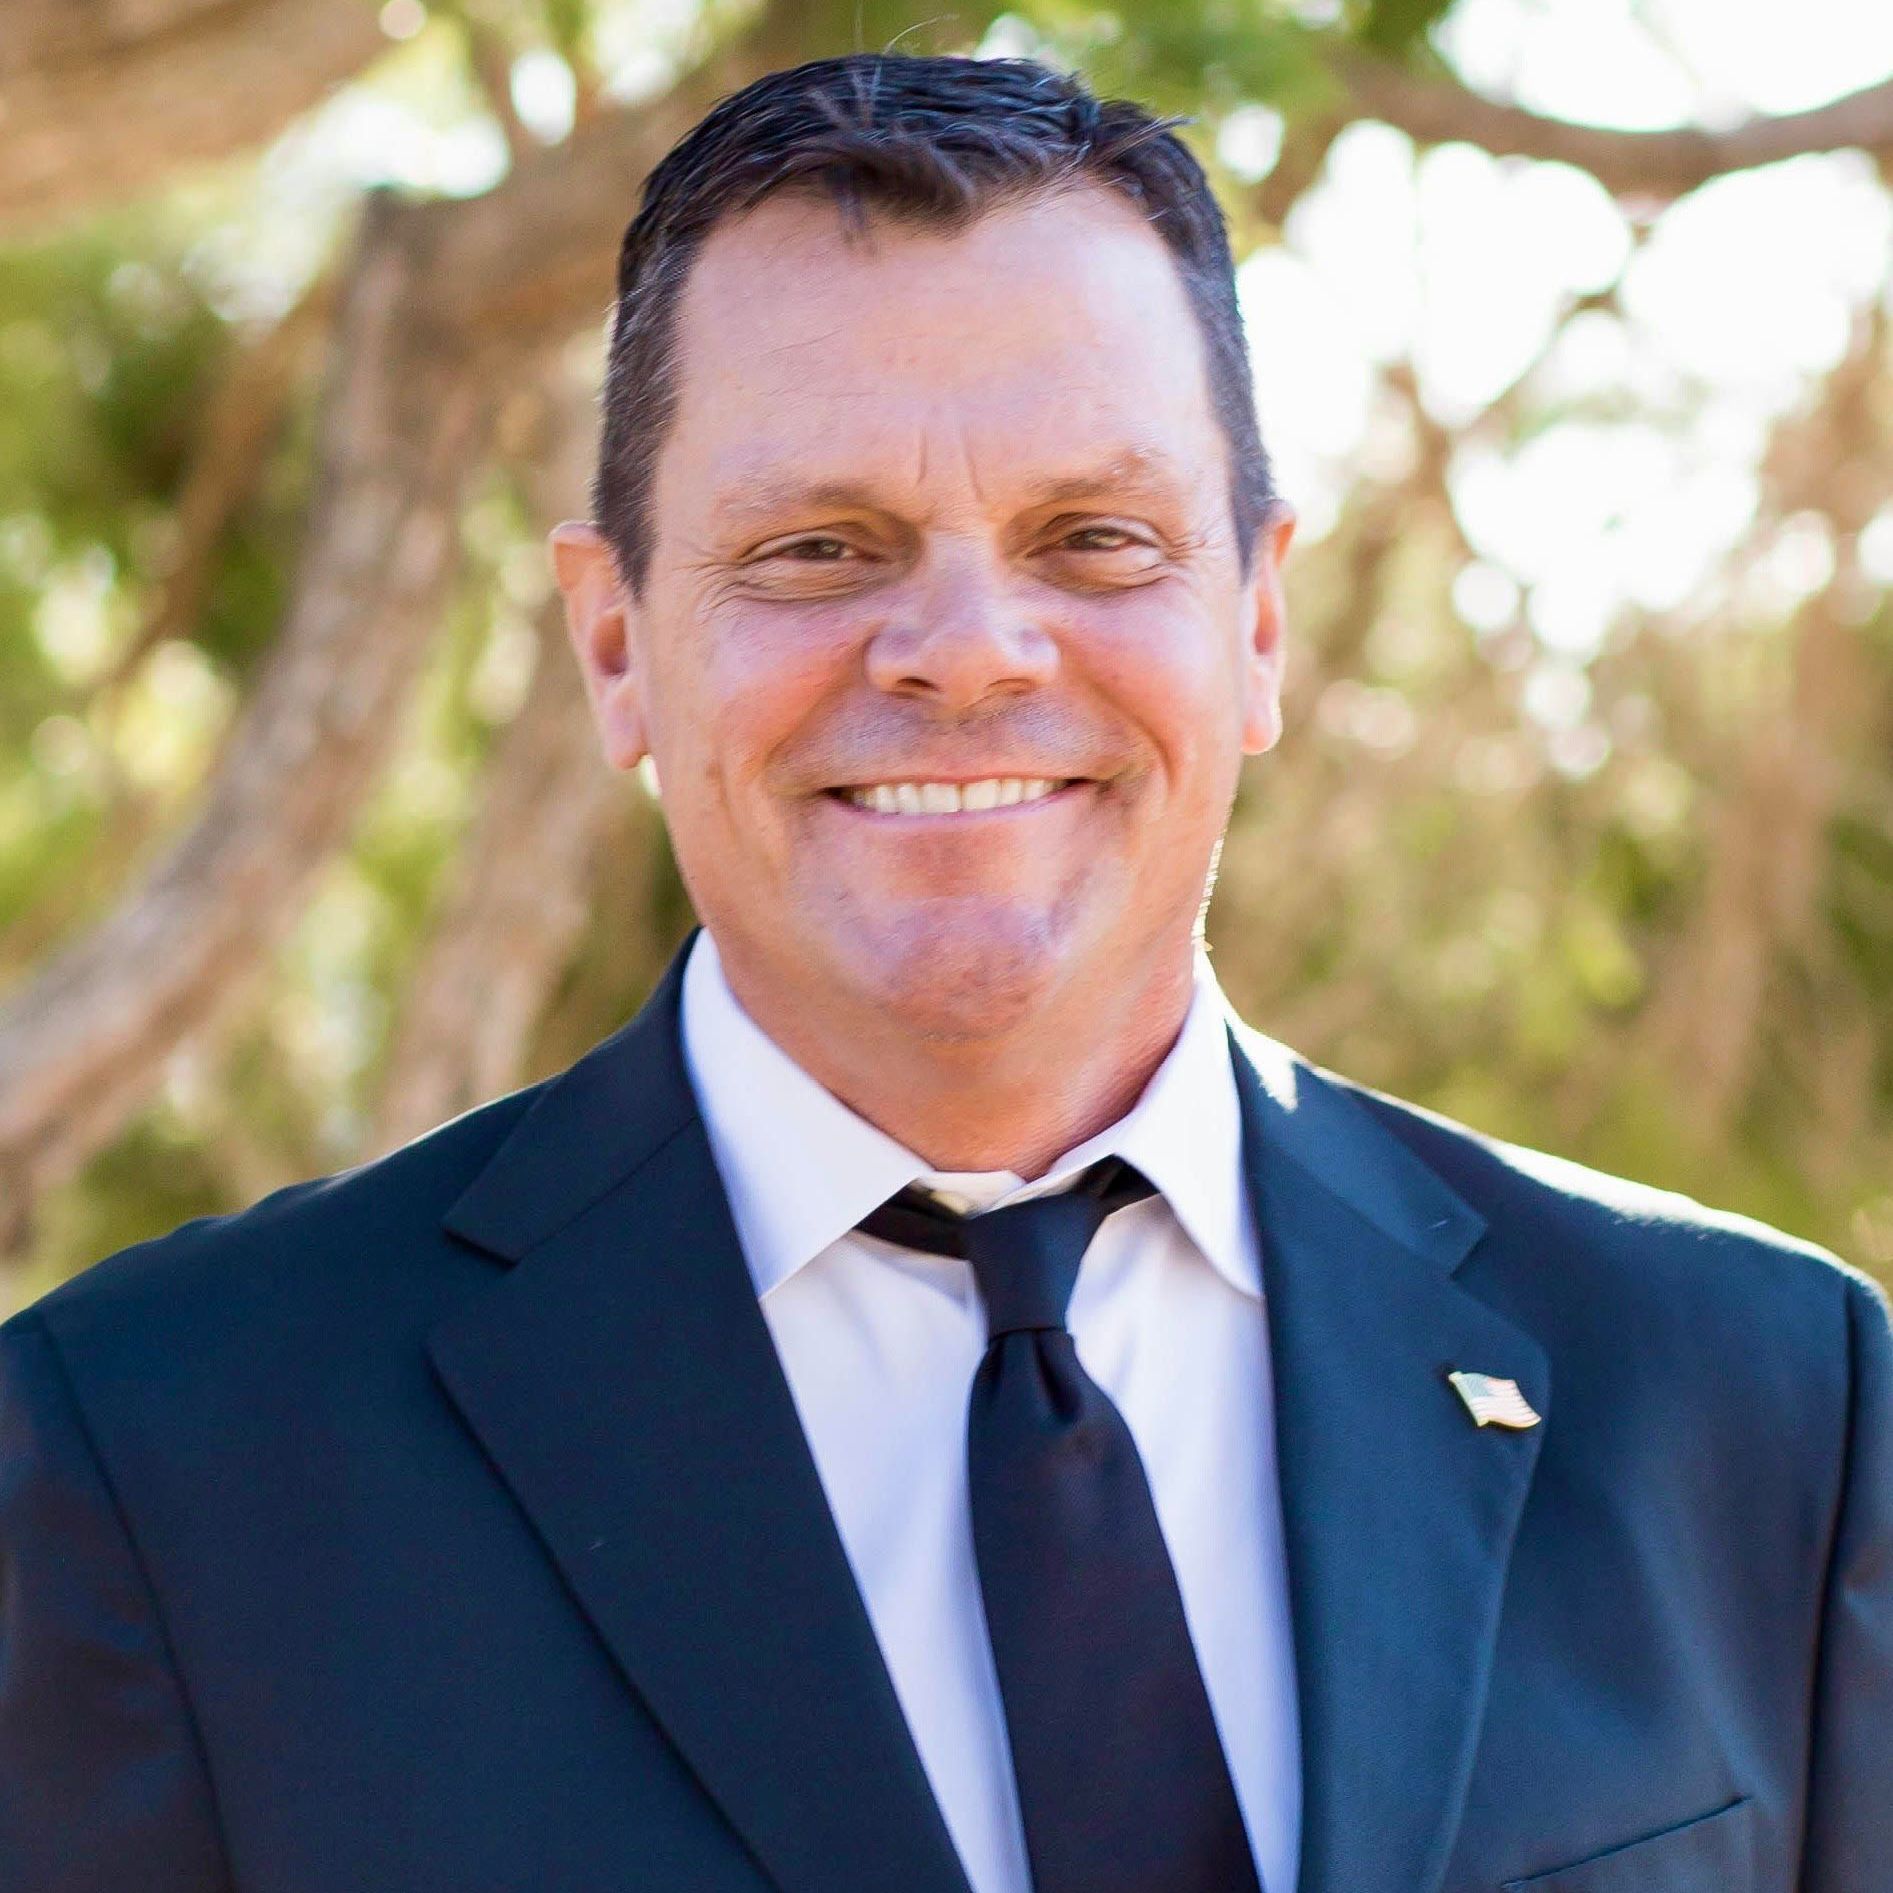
(934, 1403)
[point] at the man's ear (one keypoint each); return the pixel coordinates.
(1265, 632)
(598, 621)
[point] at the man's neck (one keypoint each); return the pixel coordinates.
(1014, 1102)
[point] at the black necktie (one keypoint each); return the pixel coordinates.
(1122, 1780)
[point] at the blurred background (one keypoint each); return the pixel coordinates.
(1571, 330)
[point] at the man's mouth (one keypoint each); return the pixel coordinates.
(951, 798)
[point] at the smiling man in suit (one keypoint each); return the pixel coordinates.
(935, 1402)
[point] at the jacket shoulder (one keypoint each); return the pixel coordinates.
(326, 1238)
(1610, 1235)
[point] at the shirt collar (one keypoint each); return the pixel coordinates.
(801, 1169)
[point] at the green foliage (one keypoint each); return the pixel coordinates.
(112, 349)
(1191, 59)
(1394, 27)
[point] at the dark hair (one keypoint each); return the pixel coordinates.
(933, 140)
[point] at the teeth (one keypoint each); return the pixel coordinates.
(949, 798)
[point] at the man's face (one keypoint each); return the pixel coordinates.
(946, 510)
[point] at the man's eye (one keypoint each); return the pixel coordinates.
(821, 549)
(1124, 539)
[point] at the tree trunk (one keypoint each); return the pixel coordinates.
(402, 421)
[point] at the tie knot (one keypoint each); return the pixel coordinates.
(1025, 1256)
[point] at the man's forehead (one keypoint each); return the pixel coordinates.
(1067, 285)
(1046, 352)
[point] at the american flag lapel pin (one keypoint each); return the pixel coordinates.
(1492, 1401)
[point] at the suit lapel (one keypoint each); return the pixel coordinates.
(622, 1381)
(1399, 1512)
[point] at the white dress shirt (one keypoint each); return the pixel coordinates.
(879, 1344)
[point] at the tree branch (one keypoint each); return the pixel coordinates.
(490, 61)
(93, 116)
(402, 420)
(504, 933)
(228, 459)
(1659, 165)
(535, 258)
(506, 929)
(1762, 901)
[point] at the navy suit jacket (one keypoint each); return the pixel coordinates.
(446, 1527)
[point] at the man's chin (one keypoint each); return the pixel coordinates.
(958, 970)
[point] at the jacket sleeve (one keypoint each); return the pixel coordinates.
(1849, 1845)
(103, 1787)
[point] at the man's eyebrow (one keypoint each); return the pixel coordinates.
(763, 494)
(1131, 469)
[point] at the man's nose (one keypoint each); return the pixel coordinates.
(958, 637)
